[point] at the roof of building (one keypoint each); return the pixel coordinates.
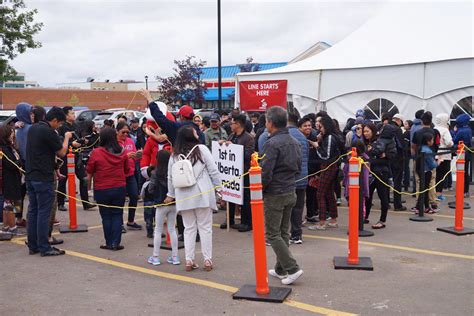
(231, 71)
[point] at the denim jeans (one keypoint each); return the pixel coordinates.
(132, 192)
(41, 196)
(112, 218)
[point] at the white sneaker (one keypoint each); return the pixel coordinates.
(292, 277)
(273, 273)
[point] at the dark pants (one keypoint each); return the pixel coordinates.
(112, 218)
(467, 170)
(149, 215)
(406, 173)
(1, 207)
(383, 194)
(424, 199)
(41, 196)
(311, 202)
(441, 171)
(132, 192)
(54, 208)
(82, 176)
(297, 213)
(19, 215)
(397, 173)
(245, 210)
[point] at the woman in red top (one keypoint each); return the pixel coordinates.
(123, 132)
(108, 165)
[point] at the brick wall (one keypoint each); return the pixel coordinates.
(9, 98)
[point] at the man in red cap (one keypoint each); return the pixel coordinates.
(170, 128)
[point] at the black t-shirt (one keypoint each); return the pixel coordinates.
(42, 144)
(419, 135)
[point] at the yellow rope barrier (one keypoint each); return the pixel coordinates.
(361, 163)
(80, 149)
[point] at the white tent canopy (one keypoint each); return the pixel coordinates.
(415, 55)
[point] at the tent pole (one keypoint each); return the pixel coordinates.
(319, 90)
(424, 84)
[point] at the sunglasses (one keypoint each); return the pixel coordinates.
(125, 133)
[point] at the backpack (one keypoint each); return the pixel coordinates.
(389, 148)
(182, 171)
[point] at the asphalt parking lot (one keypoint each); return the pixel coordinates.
(417, 271)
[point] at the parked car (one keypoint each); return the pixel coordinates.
(204, 112)
(112, 114)
(86, 115)
(8, 117)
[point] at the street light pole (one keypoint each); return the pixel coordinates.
(146, 82)
(219, 65)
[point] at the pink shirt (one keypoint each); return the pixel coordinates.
(129, 147)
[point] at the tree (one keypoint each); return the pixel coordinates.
(185, 85)
(249, 66)
(17, 28)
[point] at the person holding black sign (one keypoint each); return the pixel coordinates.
(240, 137)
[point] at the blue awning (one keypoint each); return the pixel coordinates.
(212, 94)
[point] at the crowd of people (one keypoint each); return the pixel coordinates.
(167, 162)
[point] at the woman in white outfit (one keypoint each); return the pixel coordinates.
(196, 211)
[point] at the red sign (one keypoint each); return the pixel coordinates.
(262, 95)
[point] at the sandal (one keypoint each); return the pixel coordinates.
(207, 265)
(191, 265)
(379, 225)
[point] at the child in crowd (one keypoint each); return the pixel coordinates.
(429, 165)
(158, 186)
(364, 178)
(148, 200)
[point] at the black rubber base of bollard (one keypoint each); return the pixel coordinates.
(365, 263)
(167, 247)
(421, 219)
(365, 233)
(453, 205)
(451, 230)
(276, 295)
(82, 228)
(5, 236)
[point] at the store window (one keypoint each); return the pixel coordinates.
(375, 108)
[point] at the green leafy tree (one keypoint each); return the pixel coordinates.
(185, 86)
(17, 28)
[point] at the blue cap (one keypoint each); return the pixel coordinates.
(360, 112)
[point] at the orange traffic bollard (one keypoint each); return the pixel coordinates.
(352, 261)
(260, 292)
(71, 187)
(459, 228)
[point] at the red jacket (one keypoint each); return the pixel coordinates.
(152, 147)
(109, 170)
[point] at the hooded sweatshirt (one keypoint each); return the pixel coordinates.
(23, 111)
(445, 139)
(416, 126)
(464, 132)
(109, 170)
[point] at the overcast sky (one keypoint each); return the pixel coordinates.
(130, 39)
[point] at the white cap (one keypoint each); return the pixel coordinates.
(398, 116)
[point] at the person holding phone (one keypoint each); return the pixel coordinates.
(123, 132)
